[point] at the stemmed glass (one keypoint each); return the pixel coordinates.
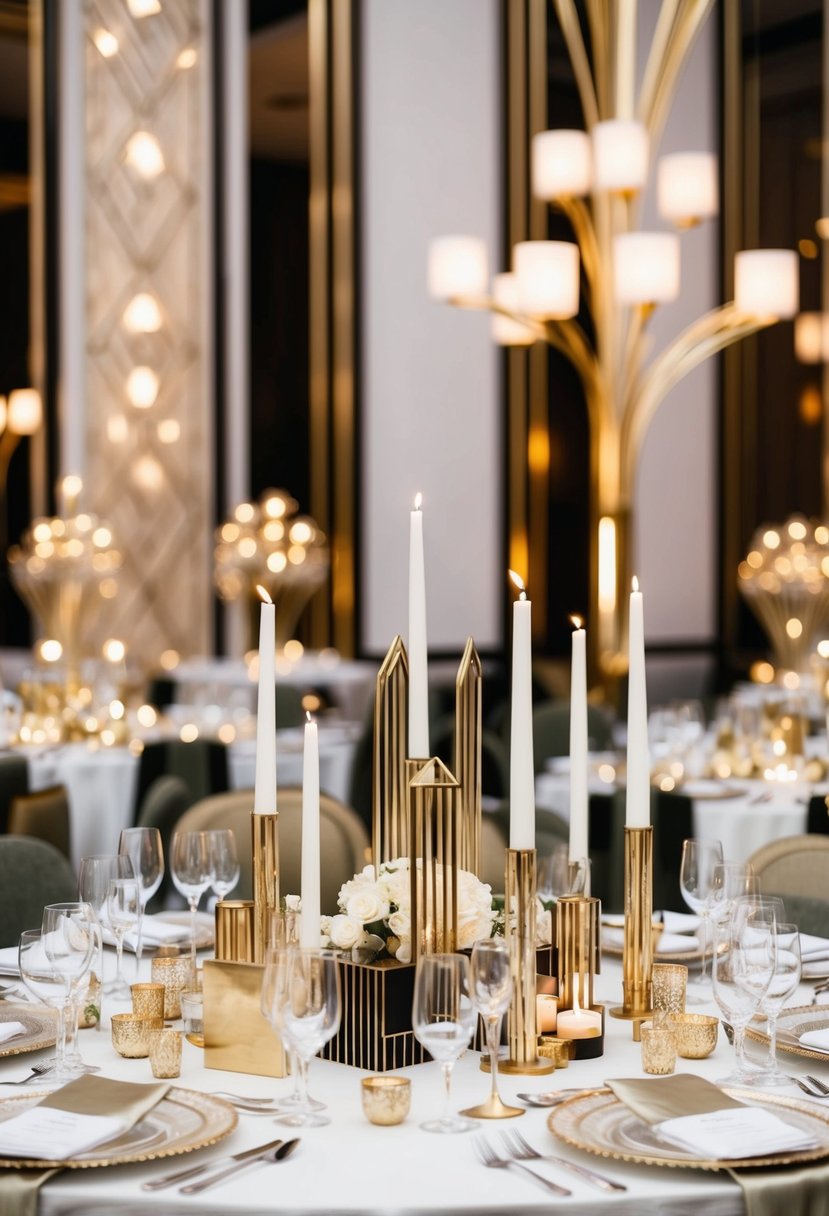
(283, 934)
(558, 876)
(225, 861)
(745, 960)
(443, 1019)
(191, 865)
(784, 983)
(94, 876)
(491, 995)
(144, 848)
(68, 940)
(47, 986)
(696, 880)
(123, 913)
(301, 1000)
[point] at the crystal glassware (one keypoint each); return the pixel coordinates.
(744, 963)
(191, 865)
(696, 879)
(784, 984)
(443, 1019)
(225, 861)
(556, 875)
(301, 999)
(68, 940)
(283, 933)
(123, 914)
(94, 875)
(145, 850)
(491, 991)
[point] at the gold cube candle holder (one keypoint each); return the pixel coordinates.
(237, 1035)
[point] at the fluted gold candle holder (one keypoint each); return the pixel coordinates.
(235, 930)
(389, 787)
(637, 957)
(265, 878)
(468, 760)
(520, 918)
(434, 843)
(578, 954)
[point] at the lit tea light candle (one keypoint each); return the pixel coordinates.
(578, 1023)
(546, 1010)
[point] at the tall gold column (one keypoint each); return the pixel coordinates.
(520, 918)
(468, 712)
(637, 958)
(265, 844)
(390, 807)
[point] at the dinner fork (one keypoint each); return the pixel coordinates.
(490, 1158)
(38, 1070)
(821, 1089)
(522, 1150)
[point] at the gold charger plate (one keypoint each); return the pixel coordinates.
(599, 1123)
(791, 1024)
(40, 1028)
(181, 1122)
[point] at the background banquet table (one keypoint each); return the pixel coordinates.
(352, 1167)
(750, 814)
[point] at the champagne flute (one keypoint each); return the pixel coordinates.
(443, 1019)
(94, 876)
(68, 941)
(191, 865)
(696, 880)
(145, 850)
(491, 994)
(225, 861)
(123, 913)
(301, 999)
(784, 984)
(744, 963)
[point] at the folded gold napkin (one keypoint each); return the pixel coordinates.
(88, 1095)
(785, 1191)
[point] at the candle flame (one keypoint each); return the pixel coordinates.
(574, 988)
(418, 500)
(634, 583)
(263, 594)
(519, 583)
(576, 621)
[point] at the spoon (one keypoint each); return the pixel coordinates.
(553, 1098)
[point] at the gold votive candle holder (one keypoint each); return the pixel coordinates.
(174, 974)
(695, 1034)
(165, 1052)
(386, 1099)
(658, 1050)
(670, 981)
(130, 1034)
(148, 1000)
(235, 921)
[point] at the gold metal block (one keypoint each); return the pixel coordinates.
(389, 795)
(237, 1036)
(435, 843)
(265, 847)
(467, 760)
(235, 930)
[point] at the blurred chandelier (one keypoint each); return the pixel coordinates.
(617, 274)
(267, 543)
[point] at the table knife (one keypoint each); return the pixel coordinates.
(156, 1184)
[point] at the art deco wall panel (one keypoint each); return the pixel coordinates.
(149, 438)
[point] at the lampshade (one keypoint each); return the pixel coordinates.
(505, 331)
(646, 267)
(686, 186)
(766, 282)
(457, 267)
(620, 155)
(25, 412)
(548, 278)
(561, 164)
(811, 337)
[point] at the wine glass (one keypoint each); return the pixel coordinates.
(557, 875)
(46, 986)
(443, 1019)
(191, 865)
(783, 985)
(123, 913)
(94, 876)
(744, 964)
(146, 852)
(301, 999)
(225, 861)
(283, 934)
(491, 995)
(696, 880)
(68, 940)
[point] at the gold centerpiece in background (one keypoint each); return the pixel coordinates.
(267, 543)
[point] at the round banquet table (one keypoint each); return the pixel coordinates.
(353, 1167)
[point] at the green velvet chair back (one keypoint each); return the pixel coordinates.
(32, 874)
(201, 765)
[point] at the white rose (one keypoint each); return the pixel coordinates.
(345, 932)
(404, 950)
(400, 923)
(293, 903)
(396, 888)
(473, 927)
(367, 905)
(543, 925)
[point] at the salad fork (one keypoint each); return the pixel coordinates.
(490, 1158)
(522, 1150)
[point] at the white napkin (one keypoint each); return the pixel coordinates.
(669, 943)
(10, 1030)
(813, 949)
(738, 1131)
(679, 922)
(155, 932)
(8, 961)
(54, 1135)
(816, 1038)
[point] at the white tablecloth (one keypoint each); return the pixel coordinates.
(352, 1167)
(101, 783)
(743, 823)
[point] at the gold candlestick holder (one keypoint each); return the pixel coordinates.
(520, 914)
(265, 845)
(637, 957)
(578, 954)
(435, 844)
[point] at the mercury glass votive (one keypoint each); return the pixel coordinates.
(165, 1052)
(669, 983)
(130, 1034)
(148, 1000)
(386, 1100)
(174, 974)
(695, 1034)
(658, 1050)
